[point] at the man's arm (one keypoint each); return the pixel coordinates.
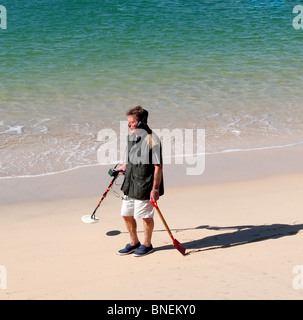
(154, 195)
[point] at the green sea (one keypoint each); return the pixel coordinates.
(69, 69)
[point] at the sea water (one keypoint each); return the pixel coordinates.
(69, 69)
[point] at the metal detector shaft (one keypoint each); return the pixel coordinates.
(104, 195)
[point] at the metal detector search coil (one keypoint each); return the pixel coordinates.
(89, 219)
(93, 219)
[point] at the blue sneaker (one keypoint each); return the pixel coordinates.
(128, 249)
(143, 251)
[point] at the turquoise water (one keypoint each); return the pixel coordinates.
(71, 68)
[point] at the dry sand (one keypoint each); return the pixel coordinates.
(241, 223)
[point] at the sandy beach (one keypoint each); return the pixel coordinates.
(241, 223)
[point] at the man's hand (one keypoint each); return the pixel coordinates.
(121, 168)
(154, 196)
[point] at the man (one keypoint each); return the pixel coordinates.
(143, 181)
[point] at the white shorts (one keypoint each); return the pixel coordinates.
(139, 209)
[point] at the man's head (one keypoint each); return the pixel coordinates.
(137, 118)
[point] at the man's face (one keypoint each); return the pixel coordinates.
(132, 123)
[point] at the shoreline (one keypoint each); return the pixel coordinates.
(219, 168)
(236, 150)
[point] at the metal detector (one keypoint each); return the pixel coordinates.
(92, 218)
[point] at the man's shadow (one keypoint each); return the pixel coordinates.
(241, 236)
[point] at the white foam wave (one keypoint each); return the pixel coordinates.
(175, 156)
(12, 129)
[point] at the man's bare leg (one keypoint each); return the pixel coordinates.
(148, 224)
(131, 226)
